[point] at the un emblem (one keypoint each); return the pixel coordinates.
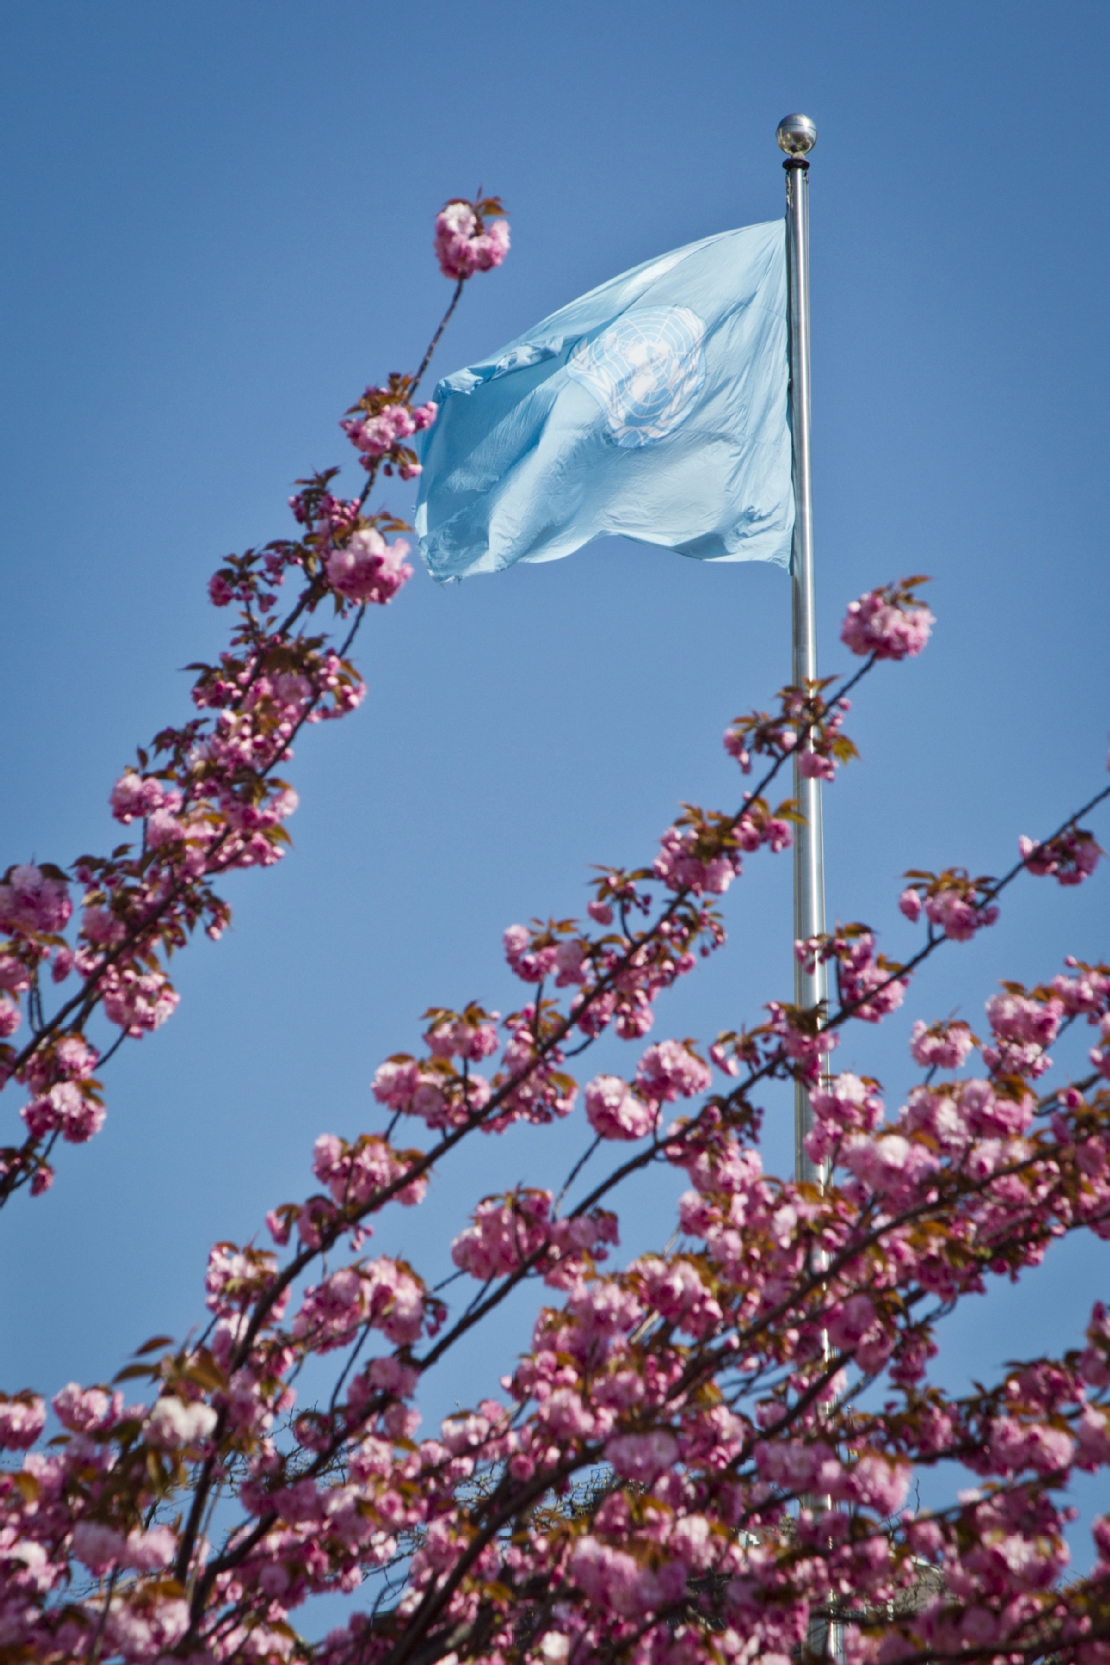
(645, 372)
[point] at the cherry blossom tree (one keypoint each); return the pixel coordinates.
(706, 1454)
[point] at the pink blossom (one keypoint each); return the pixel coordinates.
(75, 1057)
(1085, 992)
(677, 1291)
(796, 1466)
(881, 625)
(354, 1174)
(150, 1551)
(890, 1165)
(849, 1103)
(21, 1422)
(642, 1457)
(505, 1232)
(957, 915)
(868, 984)
(909, 903)
(14, 976)
(669, 1070)
(390, 1375)
(101, 928)
(615, 1581)
(87, 1410)
(138, 1002)
(366, 568)
(379, 433)
(814, 766)
(600, 912)
(681, 868)
(1100, 1055)
(472, 1041)
(1070, 857)
(736, 745)
(943, 1046)
(178, 1425)
(847, 1327)
(381, 1293)
(278, 1228)
(98, 1547)
(723, 1167)
(135, 795)
(10, 1017)
(1023, 1028)
(462, 248)
(64, 1108)
(163, 827)
(1014, 1446)
(530, 965)
(1013, 1017)
(220, 592)
(32, 902)
(881, 1484)
(396, 1081)
(798, 1043)
(570, 963)
(615, 1112)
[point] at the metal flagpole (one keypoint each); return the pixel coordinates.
(797, 135)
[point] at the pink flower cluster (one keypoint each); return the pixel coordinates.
(353, 1174)
(534, 957)
(942, 1046)
(34, 901)
(367, 569)
(681, 867)
(431, 1090)
(65, 1109)
(465, 243)
(22, 1420)
(701, 1493)
(889, 623)
(670, 1070)
(615, 1111)
(1024, 1028)
(380, 432)
(956, 904)
(381, 1294)
(471, 1036)
(1069, 858)
(803, 1041)
(869, 985)
(516, 1230)
(210, 803)
(805, 717)
(139, 1002)
(684, 1469)
(850, 1105)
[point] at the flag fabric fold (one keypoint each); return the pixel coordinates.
(654, 408)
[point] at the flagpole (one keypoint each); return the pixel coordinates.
(797, 135)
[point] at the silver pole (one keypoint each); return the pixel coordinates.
(797, 135)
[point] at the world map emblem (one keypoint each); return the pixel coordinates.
(645, 371)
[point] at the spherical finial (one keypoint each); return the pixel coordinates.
(796, 135)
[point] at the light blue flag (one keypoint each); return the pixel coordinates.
(654, 408)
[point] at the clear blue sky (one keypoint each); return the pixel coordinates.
(217, 226)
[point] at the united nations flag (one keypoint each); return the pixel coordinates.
(654, 408)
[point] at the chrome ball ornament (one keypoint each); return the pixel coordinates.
(796, 135)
